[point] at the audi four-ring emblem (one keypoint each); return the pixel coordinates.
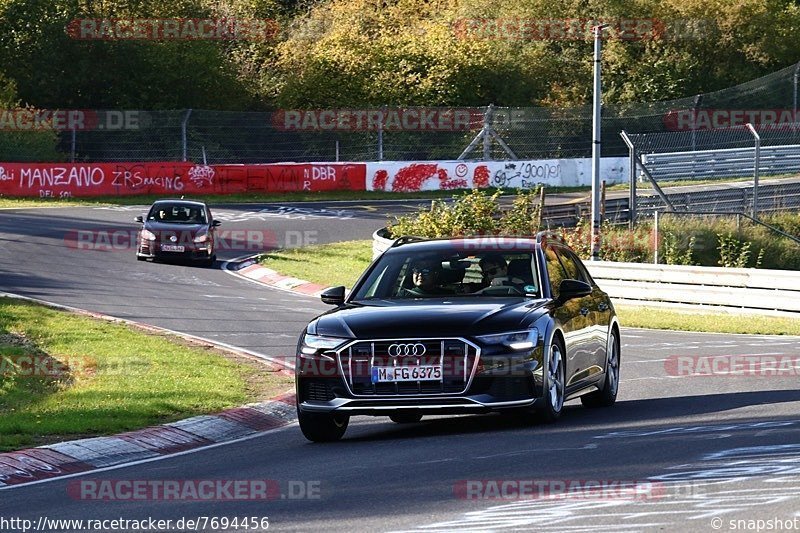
(407, 350)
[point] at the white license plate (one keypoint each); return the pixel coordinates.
(391, 374)
(171, 248)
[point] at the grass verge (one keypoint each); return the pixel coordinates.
(65, 376)
(653, 318)
(330, 264)
(342, 263)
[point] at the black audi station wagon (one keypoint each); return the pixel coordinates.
(458, 326)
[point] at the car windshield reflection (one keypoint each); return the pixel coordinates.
(446, 275)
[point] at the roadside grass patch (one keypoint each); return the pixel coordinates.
(66, 376)
(342, 263)
(653, 318)
(331, 264)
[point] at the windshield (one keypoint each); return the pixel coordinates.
(446, 274)
(177, 214)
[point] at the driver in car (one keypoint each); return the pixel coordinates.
(425, 276)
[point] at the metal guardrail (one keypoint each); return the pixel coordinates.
(728, 162)
(736, 199)
(740, 289)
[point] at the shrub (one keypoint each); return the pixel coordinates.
(683, 240)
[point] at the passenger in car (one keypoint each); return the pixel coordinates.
(495, 271)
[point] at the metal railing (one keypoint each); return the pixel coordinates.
(728, 163)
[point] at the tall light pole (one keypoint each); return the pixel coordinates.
(596, 108)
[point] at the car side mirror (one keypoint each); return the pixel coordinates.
(216, 223)
(573, 288)
(333, 296)
(139, 219)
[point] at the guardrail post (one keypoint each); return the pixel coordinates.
(756, 166)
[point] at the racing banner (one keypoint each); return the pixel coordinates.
(65, 180)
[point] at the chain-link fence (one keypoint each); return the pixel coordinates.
(757, 164)
(415, 133)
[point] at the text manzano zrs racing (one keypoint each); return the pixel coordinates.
(456, 326)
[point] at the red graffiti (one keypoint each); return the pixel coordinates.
(481, 176)
(412, 177)
(379, 181)
(448, 184)
(60, 180)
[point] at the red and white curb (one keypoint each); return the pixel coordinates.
(267, 276)
(66, 458)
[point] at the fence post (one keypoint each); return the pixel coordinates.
(655, 238)
(756, 167)
(184, 141)
(632, 195)
(73, 140)
(337, 150)
(487, 137)
(697, 100)
(381, 118)
(794, 101)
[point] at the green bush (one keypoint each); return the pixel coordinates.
(473, 213)
(682, 240)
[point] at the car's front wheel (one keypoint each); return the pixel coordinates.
(553, 398)
(322, 427)
(608, 395)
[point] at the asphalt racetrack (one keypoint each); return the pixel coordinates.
(678, 452)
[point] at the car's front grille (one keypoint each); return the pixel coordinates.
(362, 361)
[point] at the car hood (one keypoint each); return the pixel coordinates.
(418, 319)
(158, 227)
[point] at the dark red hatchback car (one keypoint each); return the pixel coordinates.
(177, 229)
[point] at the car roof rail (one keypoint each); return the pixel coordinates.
(405, 239)
(548, 235)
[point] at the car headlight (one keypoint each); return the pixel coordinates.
(314, 343)
(203, 237)
(148, 235)
(516, 340)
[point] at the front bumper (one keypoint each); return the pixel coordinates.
(495, 382)
(191, 252)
